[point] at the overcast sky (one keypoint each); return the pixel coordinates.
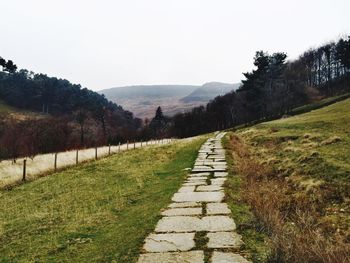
(102, 44)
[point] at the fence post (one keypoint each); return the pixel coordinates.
(127, 144)
(24, 169)
(141, 143)
(77, 157)
(95, 153)
(134, 144)
(55, 163)
(119, 147)
(109, 149)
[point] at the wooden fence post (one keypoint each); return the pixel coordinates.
(127, 144)
(109, 149)
(95, 153)
(24, 169)
(141, 143)
(77, 157)
(134, 144)
(55, 163)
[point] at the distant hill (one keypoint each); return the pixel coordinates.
(209, 91)
(143, 100)
(148, 91)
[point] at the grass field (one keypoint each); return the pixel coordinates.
(95, 212)
(319, 104)
(295, 178)
(42, 164)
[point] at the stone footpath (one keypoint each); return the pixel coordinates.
(196, 227)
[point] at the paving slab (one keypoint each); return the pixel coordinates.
(227, 257)
(195, 183)
(179, 224)
(199, 197)
(224, 240)
(218, 223)
(169, 242)
(220, 174)
(197, 167)
(219, 168)
(208, 188)
(187, 211)
(217, 209)
(216, 169)
(196, 178)
(186, 189)
(173, 257)
(218, 181)
(199, 174)
(185, 204)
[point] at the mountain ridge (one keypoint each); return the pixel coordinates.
(143, 100)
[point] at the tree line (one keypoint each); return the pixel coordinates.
(70, 116)
(272, 89)
(75, 117)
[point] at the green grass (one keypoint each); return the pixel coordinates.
(255, 240)
(299, 137)
(311, 153)
(319, 104)
(96, 212)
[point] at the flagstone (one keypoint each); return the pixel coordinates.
(224, 240)
(218, 223)
(227, 257)
(195, 183)
(217, 208)
(199, 197)
(186, 189)
(169, 242)
(179, 224)
(208, 188)
(185, 204)
(218, 181)
(220, 174)
(188, 211)
(173, 257)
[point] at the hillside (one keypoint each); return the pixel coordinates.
(209, 91)
(288, 194)
(44, 114)
(143, 100)
(298, 189)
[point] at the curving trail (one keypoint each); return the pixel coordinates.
(197, 226)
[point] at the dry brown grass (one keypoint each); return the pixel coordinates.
(289, 215)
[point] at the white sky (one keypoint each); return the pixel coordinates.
(108, 43)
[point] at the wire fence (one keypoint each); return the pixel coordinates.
(27, 168)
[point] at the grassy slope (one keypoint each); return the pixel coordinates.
(317, 144)
(319, 104)
(308, 156)
(96, 212)
(248, 226)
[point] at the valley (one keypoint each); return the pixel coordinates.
(143, 100)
